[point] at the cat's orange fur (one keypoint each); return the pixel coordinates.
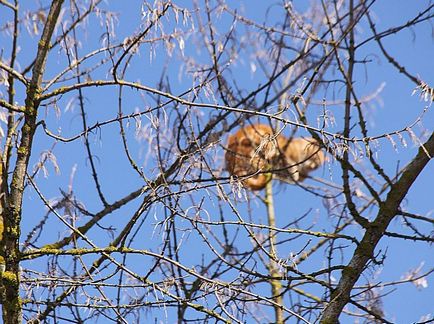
(251, 149)
(255, 148)
(303, 155)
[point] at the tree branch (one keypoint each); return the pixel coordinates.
(365, 251)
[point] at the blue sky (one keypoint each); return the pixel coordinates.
(394, 108)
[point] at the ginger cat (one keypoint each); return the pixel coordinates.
(303, 155)
(252, 149)
(255, 148)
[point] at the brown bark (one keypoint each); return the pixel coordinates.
(10, 283)
(365, 250)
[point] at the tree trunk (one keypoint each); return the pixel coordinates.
(10, 283)
(365, 250)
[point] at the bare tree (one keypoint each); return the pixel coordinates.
(131, 104)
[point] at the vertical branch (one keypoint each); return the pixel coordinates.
(5, 153)
(11, 99)
(84, 117)
(349, 85)
(10, 281)
(348, 77)
(273, 269)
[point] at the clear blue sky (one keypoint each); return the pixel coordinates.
(396, 108)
